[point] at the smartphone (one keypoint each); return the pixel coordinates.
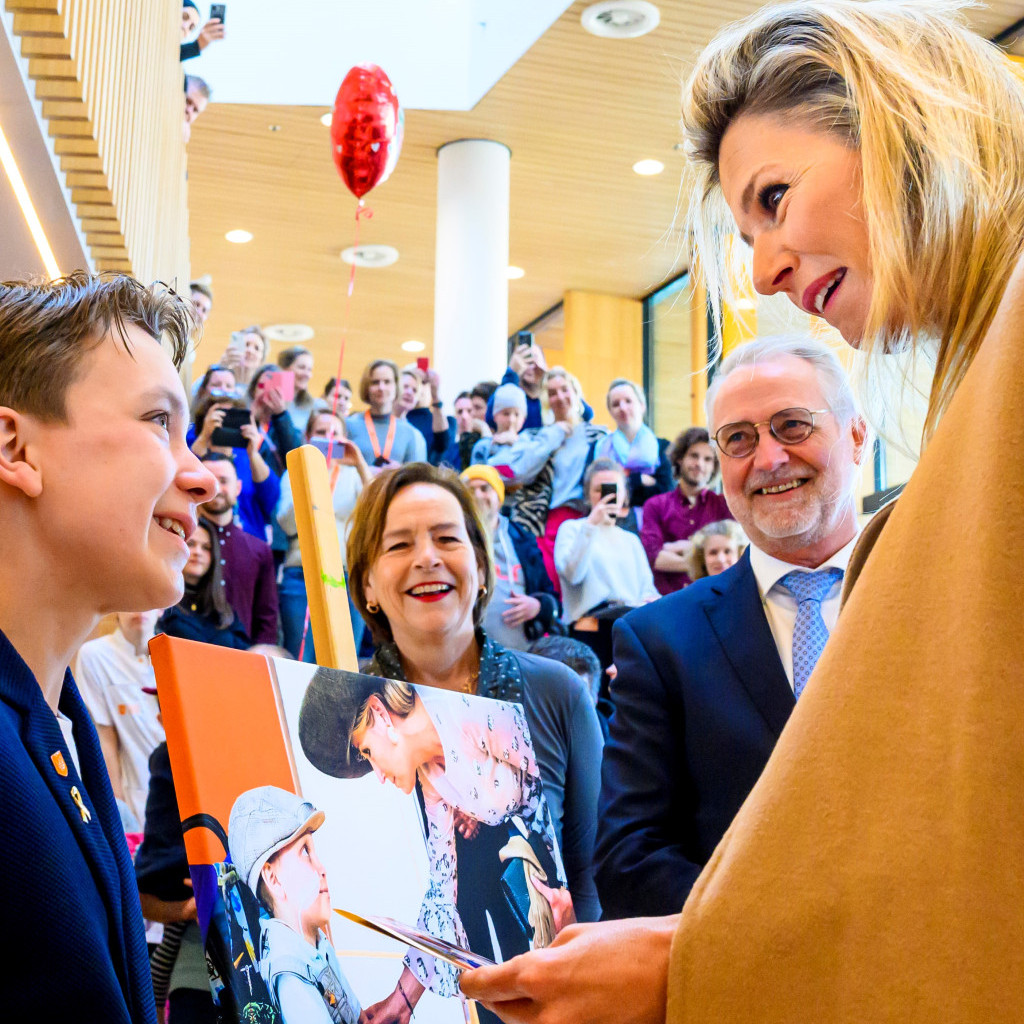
(217, 11)
(521, 339)
(229, 433)
(609, 491)
(283, 380)
(423, 363)
(237, 344)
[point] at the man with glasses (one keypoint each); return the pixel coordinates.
(708, 676)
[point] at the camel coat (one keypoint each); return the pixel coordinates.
(876, 871)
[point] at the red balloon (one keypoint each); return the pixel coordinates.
(364, 128)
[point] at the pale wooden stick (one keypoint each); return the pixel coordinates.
(322, 565)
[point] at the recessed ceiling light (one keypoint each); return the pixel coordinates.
(326, 120)
(239, 236)
(371, 256)
(289, 334)
(648, 167)
(514, 273)
(413, 346)
(620, 19)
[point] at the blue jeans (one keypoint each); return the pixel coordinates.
(292, 597)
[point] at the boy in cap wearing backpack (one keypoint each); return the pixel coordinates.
(270, 834)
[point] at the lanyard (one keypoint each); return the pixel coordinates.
(371, 429)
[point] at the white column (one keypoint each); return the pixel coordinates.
(471, 263)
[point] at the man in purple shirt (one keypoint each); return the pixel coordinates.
(247, 563)
(671, 519)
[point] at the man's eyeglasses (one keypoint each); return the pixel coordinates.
(789, 426)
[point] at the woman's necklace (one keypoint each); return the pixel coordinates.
(469, 684)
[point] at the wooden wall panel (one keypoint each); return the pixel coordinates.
(110, 80)
(603, 340)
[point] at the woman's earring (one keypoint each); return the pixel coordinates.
(483, 590)
(372, 607)
(392, 735)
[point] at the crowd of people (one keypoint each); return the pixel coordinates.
(780, 752)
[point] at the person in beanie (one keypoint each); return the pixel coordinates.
(270, 835)
(509, 410)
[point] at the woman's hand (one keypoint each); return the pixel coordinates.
(603, 513)
(252, 435)
(505, 437)
(272, 400)
(232, 359)
(467, 826)
(521, 608)
(214, 418)
(625, 964)
(396, 1008)
(560, 902)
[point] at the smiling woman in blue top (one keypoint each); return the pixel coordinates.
(98, 495)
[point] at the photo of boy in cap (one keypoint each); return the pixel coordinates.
(270, 834)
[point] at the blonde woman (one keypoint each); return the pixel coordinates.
(715, 548)
(871, 156)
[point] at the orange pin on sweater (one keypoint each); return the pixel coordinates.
(59, 763)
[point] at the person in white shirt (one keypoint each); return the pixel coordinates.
(598, 562)
(112, 672)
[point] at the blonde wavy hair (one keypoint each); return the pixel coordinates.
(937, 115)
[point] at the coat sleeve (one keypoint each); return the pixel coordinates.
(530, 453)
(579, 810)
(640, 867)
(573, 544)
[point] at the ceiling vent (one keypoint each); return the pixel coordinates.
(620, 19)
(289, 334)
(370, 256)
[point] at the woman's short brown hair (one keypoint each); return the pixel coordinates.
(364, 381)
(370, 517)
(46, 328)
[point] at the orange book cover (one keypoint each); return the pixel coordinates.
(303, 791)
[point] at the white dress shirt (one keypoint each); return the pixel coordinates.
(780, 605)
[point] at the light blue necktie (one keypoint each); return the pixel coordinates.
(809, 632)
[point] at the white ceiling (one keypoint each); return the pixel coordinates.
(439, 54)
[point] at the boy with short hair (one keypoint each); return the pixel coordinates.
(98, 494)
(270, 833)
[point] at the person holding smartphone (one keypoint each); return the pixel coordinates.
(600, 564)
(526, 368)
(260, 487)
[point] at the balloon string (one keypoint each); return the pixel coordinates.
(362, 210)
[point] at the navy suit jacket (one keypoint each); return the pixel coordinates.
(700, 699)
(75, 945)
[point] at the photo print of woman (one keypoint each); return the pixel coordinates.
(471, 762)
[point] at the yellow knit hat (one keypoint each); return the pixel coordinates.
(489, 475)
